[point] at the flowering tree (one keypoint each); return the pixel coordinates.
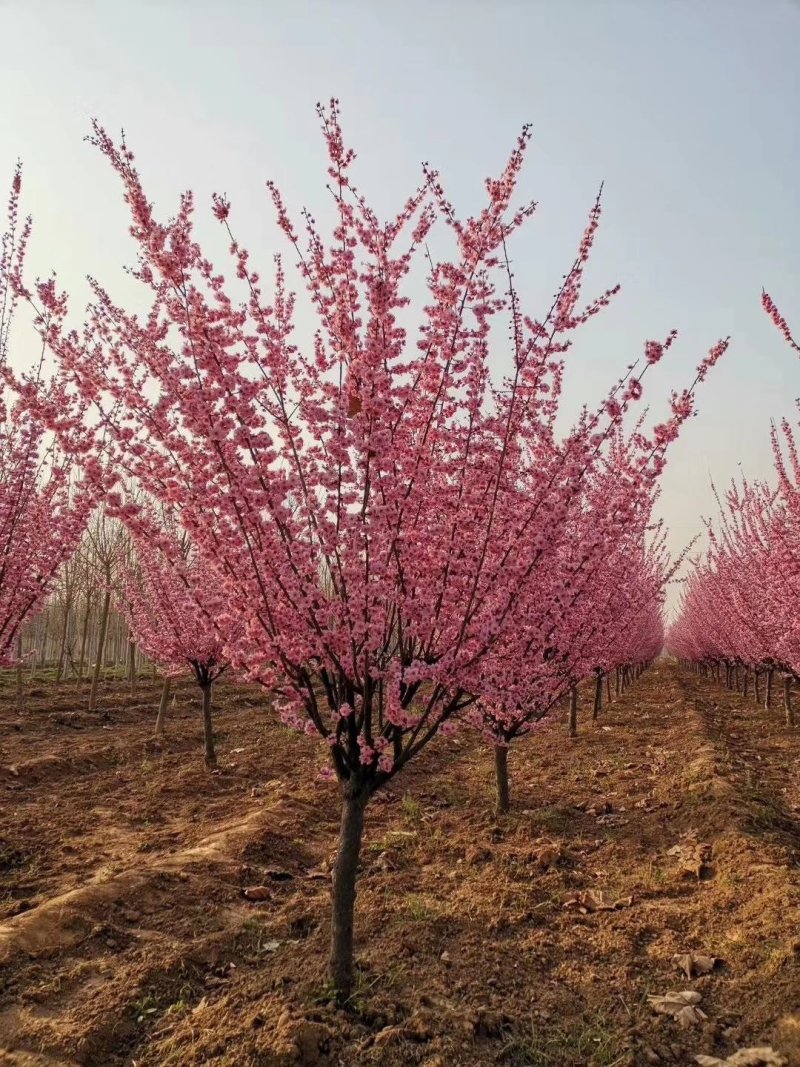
(598, 607)
(739, 608)
(42, 510)
(381, 514)
(176, 613)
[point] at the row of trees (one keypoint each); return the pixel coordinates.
(127, 604)
(43, 510)
(80, 630)
(738, 617)
(390, 537)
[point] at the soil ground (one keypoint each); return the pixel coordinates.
(125, 938)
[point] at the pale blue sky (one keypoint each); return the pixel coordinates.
(688, 112)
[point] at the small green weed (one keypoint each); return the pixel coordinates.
(592, 1042)
(412, 813)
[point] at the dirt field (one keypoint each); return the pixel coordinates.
(125, 937)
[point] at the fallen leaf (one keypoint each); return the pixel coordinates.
(319, 874)
(746, 1057)
(681, 1006)
(547, 856)
(692, 855)
(594, 900)
(257, 892)
(693, 964)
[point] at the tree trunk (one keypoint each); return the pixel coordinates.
(757, 686)
(501, 778)
(100, 650)
(618, 681)
(343, 893)
(208, 726)
(787, 700)
(608, 688)
(573, 711)
(598, 696)
(84, 633)
(62, 645)
(162, 707)
(20, 682)
(131, 664)
(768, 697)
(39, 650)
(747, 681)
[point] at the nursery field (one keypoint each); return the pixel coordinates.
(126, 935)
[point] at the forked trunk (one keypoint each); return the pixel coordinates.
(598, 696)
(501, 778)
(343, 892)
(162, 707)
(573, 711)
(101, 649)
(62, 644)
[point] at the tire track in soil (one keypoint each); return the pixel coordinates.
(109, 788)
(760, 755)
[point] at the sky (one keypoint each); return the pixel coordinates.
(687, 111)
